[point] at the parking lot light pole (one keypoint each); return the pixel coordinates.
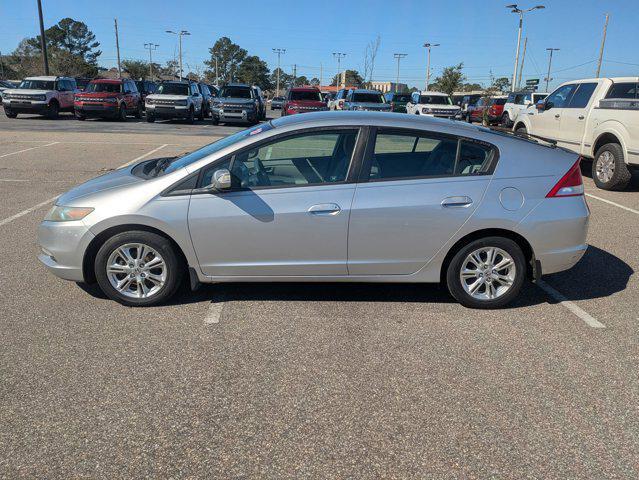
(398, 56)
(549, 64)
(339, 56)
(279, 52)
(520, 12)
(150, 47)
(429, 46)
(180, 34)
(43, 41)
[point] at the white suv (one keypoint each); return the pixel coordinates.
(434, 104)
(41, 95)
(517, 103)
(177, 99)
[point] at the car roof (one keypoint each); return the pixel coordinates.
(435, 94)
(107, 80)
(49, 77)
(365, 90)
(305, 89)
(237, 85)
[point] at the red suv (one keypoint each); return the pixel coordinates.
(109, 99)
(303, 99)
(494, 107)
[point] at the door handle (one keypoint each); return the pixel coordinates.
(324, 209)
(580, 117)
(557, 115)
(457, 202)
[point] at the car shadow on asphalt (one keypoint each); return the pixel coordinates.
(578, 283)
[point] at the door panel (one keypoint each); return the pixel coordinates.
(271, 232)
(397, 226)
(574, 116)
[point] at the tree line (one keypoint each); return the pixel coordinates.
(74, 51)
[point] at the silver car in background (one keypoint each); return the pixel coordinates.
(369, 100)
(330, 197)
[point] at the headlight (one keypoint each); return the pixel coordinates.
(40, 97)
(67, 214)
(427, 110)
(180, 102)
(149, 101)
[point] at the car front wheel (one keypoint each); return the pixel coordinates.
(487, 273)
(138, 268)
(609, 170)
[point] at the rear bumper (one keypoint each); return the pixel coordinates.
(62, 246)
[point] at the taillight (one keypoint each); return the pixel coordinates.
(570, 185)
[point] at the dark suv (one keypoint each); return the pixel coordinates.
(397, 101)
(108, 99)
(237, 102)
(207, 99)
(146, 87)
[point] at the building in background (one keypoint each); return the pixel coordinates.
(386, 87)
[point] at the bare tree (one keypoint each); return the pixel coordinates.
(369, 59)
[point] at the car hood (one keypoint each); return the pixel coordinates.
(98, 95)
(380, 106)
(109, 181)
(26, 91)
(307, 103)
(439, 106)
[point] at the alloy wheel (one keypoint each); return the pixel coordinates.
(136, 270)
(605, 167)
(487, 273)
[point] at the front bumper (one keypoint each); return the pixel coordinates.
(96, 110)
(234, 115)
(26, 106)
(167, 111)
(63, 245)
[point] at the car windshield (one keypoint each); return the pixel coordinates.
(188, 159)
(435, 100)
(37, 85)
(368, 97)
(401, 98)
(173, 89)
(104, 87)
(236, 92)
(306, 95)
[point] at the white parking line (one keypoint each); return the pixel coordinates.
(141, 157)
(632, 210)
(215, 310)
(27, 149)
(27, 211)
(583, 315)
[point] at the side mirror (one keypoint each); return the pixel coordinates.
(222, 179)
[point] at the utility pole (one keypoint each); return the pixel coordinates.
(521, 67)
(117, 46)
(217, 77)
(429, 46)
(320, 79)
(549, 64)
(294, 73)
(398, 56)
(520, 12)
(1, 67)
(180, 34)
(150, 47)
(603, 43)
(279, 52)
(339, 56)
(43, 41)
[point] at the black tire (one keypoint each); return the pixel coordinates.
(54, 110)
(174, 267)
(416, 112)
(521, 129)
(150, 118)
(215, 120)
(454, 283)
(621, 175)
(505, 120)
(122, 113)
(10, 114)
(139, 110)
(191, 118)
(80, 117)
(201, 115)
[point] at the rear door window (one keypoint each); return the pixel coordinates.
(582, 95)
(624, 90)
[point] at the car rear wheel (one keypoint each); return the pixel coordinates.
(609, 171)
(54, 110)
(140, 109)
(505, 120)
(487, 273)
(521, 129)
(191, 118)
(122, 113)
(138, 268)
(201, 115)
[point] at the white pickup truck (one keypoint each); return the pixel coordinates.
(597, 118)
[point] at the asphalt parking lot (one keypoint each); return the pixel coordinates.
(304, 381)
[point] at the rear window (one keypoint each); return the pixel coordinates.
(103, 87)
(624, 90)
(173, 89)
(305, 95)
(236, 92)
(435, 100)
(498, 101)
(368, 97)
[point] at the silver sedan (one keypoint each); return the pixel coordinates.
(331, 197)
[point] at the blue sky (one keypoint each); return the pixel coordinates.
(479, 33)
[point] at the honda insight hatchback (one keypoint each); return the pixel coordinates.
(330, 197)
